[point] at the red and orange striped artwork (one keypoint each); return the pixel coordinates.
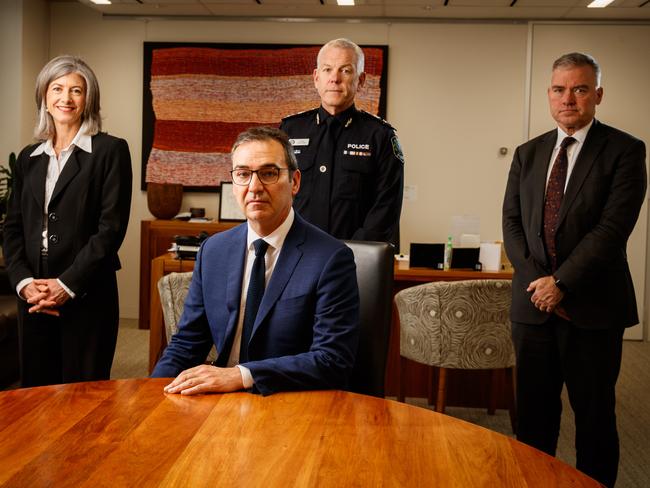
(203, 97)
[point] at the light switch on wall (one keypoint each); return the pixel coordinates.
(410, 193)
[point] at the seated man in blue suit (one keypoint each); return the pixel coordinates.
(277, 296)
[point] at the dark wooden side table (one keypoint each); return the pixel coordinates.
(156, 236)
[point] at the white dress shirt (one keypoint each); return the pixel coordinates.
(572, 151)
(275, 240)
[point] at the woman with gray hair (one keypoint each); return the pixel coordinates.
(67, 217)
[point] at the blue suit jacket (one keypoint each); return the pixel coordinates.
(307, 328)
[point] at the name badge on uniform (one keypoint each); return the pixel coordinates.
(299, 142)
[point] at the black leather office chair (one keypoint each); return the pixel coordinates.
(374, 262)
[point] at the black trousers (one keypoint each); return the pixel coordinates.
(77, 346)
(588, 362)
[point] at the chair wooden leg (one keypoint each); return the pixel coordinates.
(431, 374)
(441, 397)
(402, 379)
(492, 395)
(511, 385)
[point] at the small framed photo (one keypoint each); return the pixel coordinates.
(229, 210)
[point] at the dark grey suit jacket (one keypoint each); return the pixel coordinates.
(599, 210)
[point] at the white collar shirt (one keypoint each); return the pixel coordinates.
(55, 166)
(572, 151)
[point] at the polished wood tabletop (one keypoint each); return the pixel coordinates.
(129, 433)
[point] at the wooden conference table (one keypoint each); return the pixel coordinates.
(128, 433)
(417, 377)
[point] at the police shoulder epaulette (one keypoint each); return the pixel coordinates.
(377, 118)
(298, 114)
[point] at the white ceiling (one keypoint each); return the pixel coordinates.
(415, 10)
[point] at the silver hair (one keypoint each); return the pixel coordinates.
(343, 43)
(56, 68)
(262, 133)
(572, 60)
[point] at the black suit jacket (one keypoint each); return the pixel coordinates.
(599, 210)
(87, 215)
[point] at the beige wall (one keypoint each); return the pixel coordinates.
(24, 32)
(35, 46)
(11, 55)
(453, 111)
(457, 93)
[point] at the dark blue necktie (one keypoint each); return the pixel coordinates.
(253, 297)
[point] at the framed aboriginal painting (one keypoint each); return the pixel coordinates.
(198, 96)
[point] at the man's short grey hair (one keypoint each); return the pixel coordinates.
(572, 60)
(61, 66)
(343, 43)
(263, 133)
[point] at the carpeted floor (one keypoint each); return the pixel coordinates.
(132, 353)
(633, 408)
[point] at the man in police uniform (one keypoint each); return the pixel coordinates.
(351, 161)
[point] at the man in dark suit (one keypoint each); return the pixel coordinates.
(303, 332)
(572, 199)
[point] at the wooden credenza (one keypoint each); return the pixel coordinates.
(156, 236)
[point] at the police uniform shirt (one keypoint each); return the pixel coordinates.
(352, 173)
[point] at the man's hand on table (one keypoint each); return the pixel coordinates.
(206, 379)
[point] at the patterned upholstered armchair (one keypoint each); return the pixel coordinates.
(173, 289)
(459, 325)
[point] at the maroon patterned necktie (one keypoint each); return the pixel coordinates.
(554, 194)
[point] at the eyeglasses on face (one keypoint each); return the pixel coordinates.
(267, 175)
